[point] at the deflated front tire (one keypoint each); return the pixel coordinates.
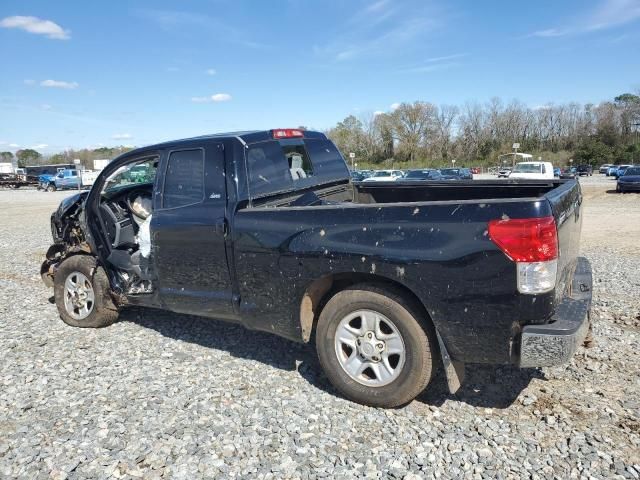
(81, 290)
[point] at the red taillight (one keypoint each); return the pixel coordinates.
(526, 239)
(287, 133)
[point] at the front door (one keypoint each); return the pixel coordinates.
(188, 231)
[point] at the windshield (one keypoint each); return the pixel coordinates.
(382, 173)
(143, 171)
(450, 171)
(527, 168)
(632, 171)
(418, 174)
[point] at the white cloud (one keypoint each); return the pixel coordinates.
(377, 112)
(434, 67)
(394, 106)
(210, 71)
(382, 29)
(612, 13)
(29, 82)
(39, 146)
(37, 26)
(221, 97)
(14, 145)
(377, 6)
(218, 97)
(550, 32)
(59, 84)
(609, 14)
(122, 136)
(46, 106)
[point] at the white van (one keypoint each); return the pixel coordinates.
(533, 170)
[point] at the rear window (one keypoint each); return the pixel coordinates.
(278, 166)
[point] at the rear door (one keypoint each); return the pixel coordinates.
(188, 230)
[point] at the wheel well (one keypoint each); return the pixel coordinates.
(321, 290)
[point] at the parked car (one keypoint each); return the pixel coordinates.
(612, 170)
(604, 167)
(456, 174)
(584, 170)
(620, 171)
(385, 176)
(569, 172)
(533, 170)
(557, 171)
(358, 176)
(426, 174)
(475, 170)
(630, 180)
(389, 279)
(504, 172)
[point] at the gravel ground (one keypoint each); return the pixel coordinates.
(160, 395)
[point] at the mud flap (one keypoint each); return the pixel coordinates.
(454, 370)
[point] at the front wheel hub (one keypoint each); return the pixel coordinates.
(79, 297)
(370, 347)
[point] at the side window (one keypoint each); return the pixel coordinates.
(184, 179)
(544, 168)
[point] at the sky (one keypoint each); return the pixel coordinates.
(105, 73)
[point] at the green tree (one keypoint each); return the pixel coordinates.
(27, 156)
(594, 152)
(6, 156)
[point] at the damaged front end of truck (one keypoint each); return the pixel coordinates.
(68, 236)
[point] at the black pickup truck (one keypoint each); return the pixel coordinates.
(390, 279)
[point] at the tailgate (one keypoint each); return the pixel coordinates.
(566, 205)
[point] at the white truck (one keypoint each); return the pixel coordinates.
(533, 170)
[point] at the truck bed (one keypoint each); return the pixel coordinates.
(401, 191)
(431, 239)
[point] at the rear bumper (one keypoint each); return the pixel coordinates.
(556, 342)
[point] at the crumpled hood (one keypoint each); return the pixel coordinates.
(70, 202)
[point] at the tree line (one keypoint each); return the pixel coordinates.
(422, 134)
(29, 156)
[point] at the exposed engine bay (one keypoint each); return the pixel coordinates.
(125, 218)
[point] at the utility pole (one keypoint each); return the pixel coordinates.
(635, 150)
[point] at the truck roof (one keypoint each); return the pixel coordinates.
(247, 137)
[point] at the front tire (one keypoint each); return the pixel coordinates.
(373, 347)
(51, 188)
(81, 290)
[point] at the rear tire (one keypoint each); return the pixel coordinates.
(82, 293)
(355, 361)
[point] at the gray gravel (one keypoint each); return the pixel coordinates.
(160, 395)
